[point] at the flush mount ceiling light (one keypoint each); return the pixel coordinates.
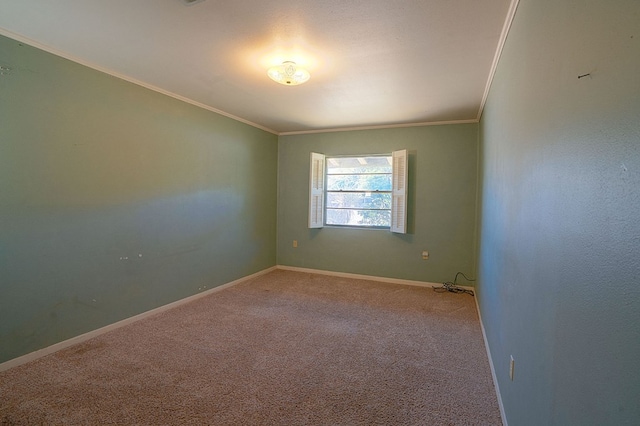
(288, 74)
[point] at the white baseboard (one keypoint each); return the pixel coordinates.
(493, 369)
(94, 333)
(365, 277)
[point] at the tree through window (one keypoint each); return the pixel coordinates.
(358, 191)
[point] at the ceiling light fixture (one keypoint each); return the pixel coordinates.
(288, 74)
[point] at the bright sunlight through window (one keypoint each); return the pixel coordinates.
(358, 191)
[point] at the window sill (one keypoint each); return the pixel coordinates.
(363, 228)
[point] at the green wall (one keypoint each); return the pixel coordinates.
(559, 223)
(115, 199)
(442, 205)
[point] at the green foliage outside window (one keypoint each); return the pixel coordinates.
(359, 191)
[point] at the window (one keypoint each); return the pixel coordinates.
(358, 191)
(361, 191)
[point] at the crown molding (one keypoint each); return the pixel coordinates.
(496, 59)
(376, 127)
(54, 51)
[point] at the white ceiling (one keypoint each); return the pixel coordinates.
(372, 62)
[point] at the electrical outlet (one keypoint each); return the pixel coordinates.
(425, 255)
(295, 243)
(512, 365)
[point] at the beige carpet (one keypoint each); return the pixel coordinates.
(286, 348)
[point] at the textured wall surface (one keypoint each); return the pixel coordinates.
(559, 232)
(442, 203)
(115, 200)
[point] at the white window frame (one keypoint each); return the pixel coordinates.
(399, 175)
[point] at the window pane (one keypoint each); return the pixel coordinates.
(351, 165)
(358, 191)
(359, 182)
(359, 200)
(358, 217)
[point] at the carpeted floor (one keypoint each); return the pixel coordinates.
(286, 348)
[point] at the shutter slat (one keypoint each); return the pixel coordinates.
(316, 191)
(399, 192)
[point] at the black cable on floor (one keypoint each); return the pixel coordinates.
(453, 286)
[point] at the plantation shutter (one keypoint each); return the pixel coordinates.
(316, 191)
(399, 192)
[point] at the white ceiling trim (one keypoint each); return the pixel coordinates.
(496, 59)
(22, 39)
(504, 33)
(382, 126)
